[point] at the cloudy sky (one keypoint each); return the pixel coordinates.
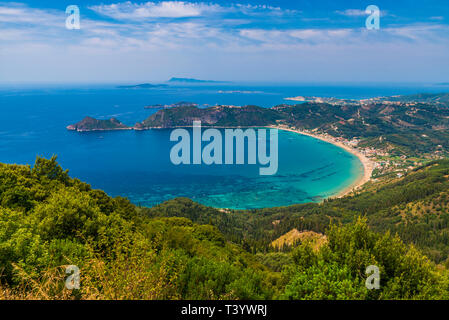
(300, 41)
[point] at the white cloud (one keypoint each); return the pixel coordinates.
(418, 34)
(13, 34)
(358, 13)
(180, 9)
(16, 13)
(249, 9)
(165, 9)
(295, 39)
(194, 34)
(37, 43)
(352, 12)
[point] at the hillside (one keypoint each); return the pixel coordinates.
(398, 129)
(391, 128)
(438, 98)
(414, 206)
(213, 116)
(49, 220)
(91, 124)
(294, 237)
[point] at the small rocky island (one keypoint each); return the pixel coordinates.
(92, 124)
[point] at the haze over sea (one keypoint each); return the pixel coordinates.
(136, 164)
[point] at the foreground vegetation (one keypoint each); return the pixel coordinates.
(182, 250)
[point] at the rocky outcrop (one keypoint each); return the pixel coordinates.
(92, 124)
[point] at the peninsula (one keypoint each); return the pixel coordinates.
(395, 133)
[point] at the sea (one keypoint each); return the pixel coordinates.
(136, 164)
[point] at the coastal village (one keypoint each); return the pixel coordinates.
(384, 163)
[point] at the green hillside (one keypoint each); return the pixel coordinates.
(182, 250)
(415, 206)
(213, 116)
(400, 128)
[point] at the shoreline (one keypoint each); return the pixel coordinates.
(368, 165)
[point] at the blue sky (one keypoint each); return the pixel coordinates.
(300, 41)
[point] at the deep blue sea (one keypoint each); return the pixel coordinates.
(137, 165)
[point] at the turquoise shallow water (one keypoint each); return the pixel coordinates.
(137, 164)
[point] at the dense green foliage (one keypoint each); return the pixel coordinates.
(183, 250)
(334, 272)
(416, 207)
(403, 128)
(217, 116)
(440, 98)
(48, 219)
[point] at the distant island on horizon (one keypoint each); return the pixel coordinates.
(143, 86)
(192, 80)
(171, 80)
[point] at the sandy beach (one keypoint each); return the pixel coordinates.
(368, 165)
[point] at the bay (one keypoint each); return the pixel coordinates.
(136, 164)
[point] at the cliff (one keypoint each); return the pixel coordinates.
(218, 116)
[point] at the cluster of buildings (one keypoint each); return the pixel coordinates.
(331, 101)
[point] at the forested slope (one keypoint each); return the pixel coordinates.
(415, 206)
(182, 250)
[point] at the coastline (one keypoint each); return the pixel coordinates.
(368, 165)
